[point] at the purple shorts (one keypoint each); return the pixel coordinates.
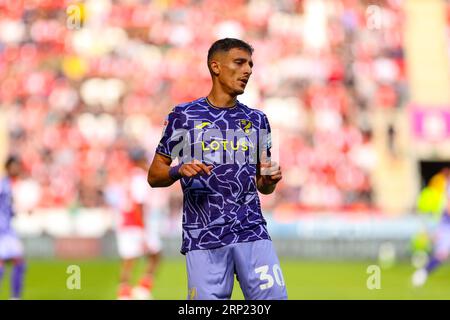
(442, 240)
(211, 272)
(10, 245)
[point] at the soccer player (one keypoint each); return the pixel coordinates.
(221, 167)
(441, 239)
(11, 249)
(135, 236)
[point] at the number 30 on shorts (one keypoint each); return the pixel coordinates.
(268, 278)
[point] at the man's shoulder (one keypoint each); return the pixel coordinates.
(190, 106)
(252, 111)
(4, 183)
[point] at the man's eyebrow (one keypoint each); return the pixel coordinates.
(244, 60)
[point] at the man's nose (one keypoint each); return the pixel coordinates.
(248, 70)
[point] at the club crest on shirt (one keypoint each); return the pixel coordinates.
(245, 125)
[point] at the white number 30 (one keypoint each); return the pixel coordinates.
(265, 276)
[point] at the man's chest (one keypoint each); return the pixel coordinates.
(239, 122)
(230, 135)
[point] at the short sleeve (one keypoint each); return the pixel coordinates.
(173, 135)
(265, 136)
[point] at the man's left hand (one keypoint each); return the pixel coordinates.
(270, 173)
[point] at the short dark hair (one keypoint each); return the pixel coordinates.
(10, 160)
(137, 154)
(226, 45)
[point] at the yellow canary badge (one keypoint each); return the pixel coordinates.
(245, 125)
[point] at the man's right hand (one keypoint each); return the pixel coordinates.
(194, 168)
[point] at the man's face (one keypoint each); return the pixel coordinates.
(233, 69)
(14, 169)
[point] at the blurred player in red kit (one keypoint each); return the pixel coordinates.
(135, 237)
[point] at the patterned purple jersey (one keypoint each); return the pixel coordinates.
(6, 204)
(224, 207)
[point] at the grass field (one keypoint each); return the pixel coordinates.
(46, 279)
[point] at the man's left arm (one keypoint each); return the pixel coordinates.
(268, 174)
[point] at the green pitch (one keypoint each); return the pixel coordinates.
(46, 279)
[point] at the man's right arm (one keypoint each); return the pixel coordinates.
(159, 176)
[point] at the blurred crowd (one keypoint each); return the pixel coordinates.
(84, 82)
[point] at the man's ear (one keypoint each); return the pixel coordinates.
(215, 67)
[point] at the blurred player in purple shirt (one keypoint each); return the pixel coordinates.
(11, 249)
(223, 150)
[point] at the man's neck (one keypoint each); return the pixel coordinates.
(221, 99)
